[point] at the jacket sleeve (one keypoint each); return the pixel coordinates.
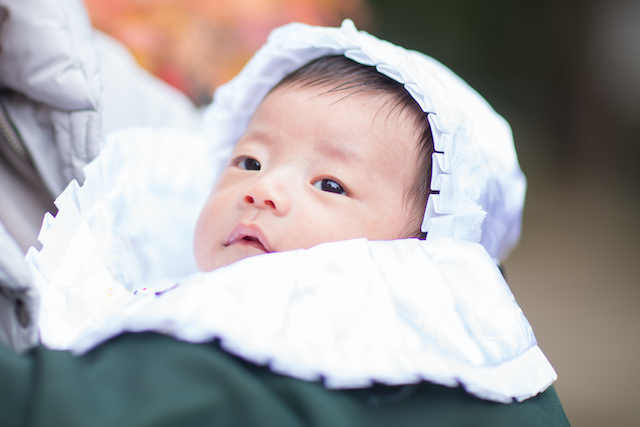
(18, 301)
(47, 55)
(62, 85)
(149, 379)
(50, 121)
(73, 81)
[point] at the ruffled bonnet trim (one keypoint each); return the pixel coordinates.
(118, 257)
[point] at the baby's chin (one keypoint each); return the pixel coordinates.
(228, 255)
(238, 251)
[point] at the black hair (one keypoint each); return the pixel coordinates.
(339, 73)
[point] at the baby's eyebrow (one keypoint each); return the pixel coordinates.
(339, 151)
(255, 136)
(335, 150)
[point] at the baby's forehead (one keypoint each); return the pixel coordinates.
(391, 116)
(384, 108)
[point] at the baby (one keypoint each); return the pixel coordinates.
(335, 151)
(387, 187)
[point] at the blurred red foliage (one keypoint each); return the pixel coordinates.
(196, 45)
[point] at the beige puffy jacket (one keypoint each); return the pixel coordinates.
(62, 87)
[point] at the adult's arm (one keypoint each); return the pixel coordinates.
(62, 85)
(18, 301)
(150, 379)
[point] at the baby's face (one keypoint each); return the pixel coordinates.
(312, 167)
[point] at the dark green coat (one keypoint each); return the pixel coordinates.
(153, 380)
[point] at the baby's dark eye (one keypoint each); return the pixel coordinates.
(329, 185)
(248, 163)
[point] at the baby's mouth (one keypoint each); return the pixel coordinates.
(250, 235)
(254, 241)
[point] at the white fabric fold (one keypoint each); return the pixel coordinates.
(118, 257)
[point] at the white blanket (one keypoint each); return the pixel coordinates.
(118, 257)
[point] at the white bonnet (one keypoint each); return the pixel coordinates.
(477, 182)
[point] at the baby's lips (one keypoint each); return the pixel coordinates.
(250, 233)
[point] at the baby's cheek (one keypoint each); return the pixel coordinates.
(203, 235)
(199, 250)
(303, 235)
(341, 229)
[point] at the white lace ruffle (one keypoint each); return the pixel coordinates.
(478, 183)
(349, 312)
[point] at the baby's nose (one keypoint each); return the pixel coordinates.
(268, 193)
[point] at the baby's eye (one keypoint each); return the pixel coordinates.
(248, 163)
(329, 185)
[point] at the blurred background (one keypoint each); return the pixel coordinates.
(565, 74)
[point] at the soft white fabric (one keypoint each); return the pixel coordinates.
(350, 312)
(476, 172)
